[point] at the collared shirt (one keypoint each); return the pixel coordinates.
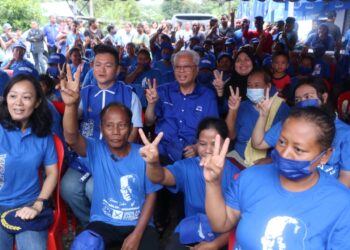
(21, 156)
(178, 116)
(94, 99)
(51, 32)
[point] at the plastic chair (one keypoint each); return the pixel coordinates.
(343, 106)
(59, 106)
(232, 239)
(54, 241)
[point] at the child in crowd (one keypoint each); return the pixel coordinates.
(280, 79)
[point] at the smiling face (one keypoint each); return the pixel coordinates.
(21, 101)
(116, 128)
(243, 64)
(280, 64)
(206, 140)
(185, 70)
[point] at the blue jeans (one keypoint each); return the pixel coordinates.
(27, 240)
(77, 194)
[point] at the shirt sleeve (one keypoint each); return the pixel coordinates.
(136, 110)
(232, 195)
(345, 153)
(273, 134)
(90, 153)
(177, 171)
(339, 239)
(50, 155)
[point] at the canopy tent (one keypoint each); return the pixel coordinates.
(273, 10)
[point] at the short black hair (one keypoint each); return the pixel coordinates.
(280, 53)
(262, 71)
(40, 120)
(107, 49)
(119, 105)
(74, 49)
(145, 52)
(49, 82)
(290, 20)
(321, 119)
(215, 123)
(110, 27)
(92, 21)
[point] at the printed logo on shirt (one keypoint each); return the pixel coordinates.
(168, 103)
(87, 128)
(2, 170)
(199, 108)
(144, 82)
(128, 207)
(284, 232)
(89, 109)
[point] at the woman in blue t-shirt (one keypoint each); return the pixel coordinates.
(186, 176)
(26, 144)
(290, 203)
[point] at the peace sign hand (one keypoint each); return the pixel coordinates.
(69, 87)
(151, 93)
(149, 152)
(218, 82)
(264, 106)
(234, 100)
(214, 163)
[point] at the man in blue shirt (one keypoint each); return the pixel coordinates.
(18, 51)
(123, 201)
(51, 32)
(176, 108)
(75, 188)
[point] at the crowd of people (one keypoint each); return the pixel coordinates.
(228, 127)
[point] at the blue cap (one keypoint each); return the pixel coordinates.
(88, 239)
(26, 70)
(19, 44)
(224, 54)
(166, 45)
(12, 224)
(205, 63)
(53, 72)
(255, 40)
(56, 59)
(230, 41)
(195, 38)
(198, 48)
(195, 229)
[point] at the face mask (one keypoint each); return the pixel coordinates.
(166, 56)
(293, 169)
(305, 71)
(205, 78)
(308, 103)
(255, 95)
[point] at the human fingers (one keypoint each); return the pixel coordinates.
(69, 73)
(157, 139)
(224, 148)
(143, 137)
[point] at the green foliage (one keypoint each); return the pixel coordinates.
(19, 13)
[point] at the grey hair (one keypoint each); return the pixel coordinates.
(191, 53)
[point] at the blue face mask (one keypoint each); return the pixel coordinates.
(205, 78)
(293, 169)
(308, 103)
(305, 71)
(255, 95)
(166, 56)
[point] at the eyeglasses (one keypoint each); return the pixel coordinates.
(186, 68)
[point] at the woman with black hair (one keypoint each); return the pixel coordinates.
(289, 204)
(26, 144)
(311, 92)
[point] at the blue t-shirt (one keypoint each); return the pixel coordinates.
(70, 40)
(84, 70)
(120, 186)
(56, 126)
(313, 41)
(89, 78)
(4, 79)
(190, 181)
(273, 218)
(245, 123)
(51, 31)
(178, 116)
(164, 70)
(340, 158)
(21, 156)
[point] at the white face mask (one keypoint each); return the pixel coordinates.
(255, 95)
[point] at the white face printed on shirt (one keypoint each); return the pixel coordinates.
(284, 233)
(125, 188)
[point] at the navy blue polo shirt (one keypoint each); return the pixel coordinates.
(178, 116)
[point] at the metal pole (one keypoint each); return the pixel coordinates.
(91, 8)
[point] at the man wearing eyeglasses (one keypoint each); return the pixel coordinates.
(177, 108)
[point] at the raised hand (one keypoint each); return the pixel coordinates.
(264, 106)
(70, 88)
(151, 93)
(213, 164)
(218, 82)
(234, 100)
(149, 152)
